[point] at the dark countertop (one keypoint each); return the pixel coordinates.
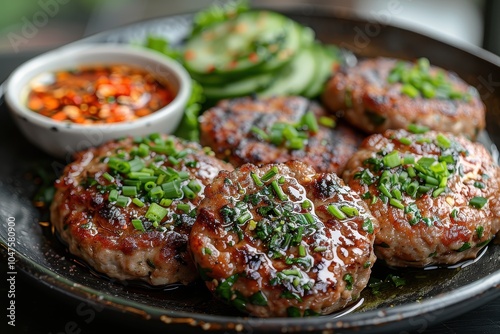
(40, 309)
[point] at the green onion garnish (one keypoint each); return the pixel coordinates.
(195, 186)
(269, 174)
(349, 281)
(319, 249)
(138, 202)
(149, 185)
(410, 90)
(113, 195)
(129, 190)
(368, 226)
(327, 121)
(137, 223)
(156, 212)
(437, 192)
(188, 193)
(165, 202)
(122, 201)
(478, 202)
(479, 231)
(417, 129)
(349, 210)
(396, 203)
(332, 209)
(184, 207)
(306, 204)
(443, 141)
(108, 177)
(405, 141)
(279, 192)
(261, 134)
(256, 179)
(172, 189)
(302, 251)
(392, 160)
(244, 217)
(309, 120)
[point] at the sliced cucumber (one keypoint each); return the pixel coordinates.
(242, 44)
(295, 77)
(326, 58)
(296, 39)
(246, 86)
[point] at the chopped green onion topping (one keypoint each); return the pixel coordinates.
(327, 121)
(443, 141)
(333, 210)
(138, 202)
(269, 174)
(129, 190)
(113, 195)
(256, 180)
(349, 211)
(279, 192)
(392, 160)
(417, 129)
(464, 247)
(108, 177)
(368, 226)
(349, 281)
(478, 202)
(479, 232)
(184, 207)
(309, 120)
(405, 141)
(396, 203)
(417, 80)
(137, 223)
(172, 189)
(156, 212)
(122, 201)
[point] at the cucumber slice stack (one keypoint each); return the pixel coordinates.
(259, 52)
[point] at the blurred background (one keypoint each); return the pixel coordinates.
(39, 25)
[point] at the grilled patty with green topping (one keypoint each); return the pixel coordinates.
(127, 206)
(282, 240)
(275, 130)
(384, 93)
(436, 195)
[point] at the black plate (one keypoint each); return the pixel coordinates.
(429, 295)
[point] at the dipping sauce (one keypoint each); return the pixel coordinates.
(98, 94)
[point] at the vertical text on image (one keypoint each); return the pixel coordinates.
(11, 271)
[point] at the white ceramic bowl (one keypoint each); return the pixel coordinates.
(62, 139)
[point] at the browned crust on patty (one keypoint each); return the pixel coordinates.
(369, 102)
(101, 232)
(447, 237)
(226, 128)
(223, 248)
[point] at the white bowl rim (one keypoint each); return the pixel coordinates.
(12, 92)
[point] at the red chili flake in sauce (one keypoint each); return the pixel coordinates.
(98, 94)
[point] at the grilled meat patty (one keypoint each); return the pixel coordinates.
(126, 207)
(248, 130)
(435, 195)
(370, 102)
(282, 240)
